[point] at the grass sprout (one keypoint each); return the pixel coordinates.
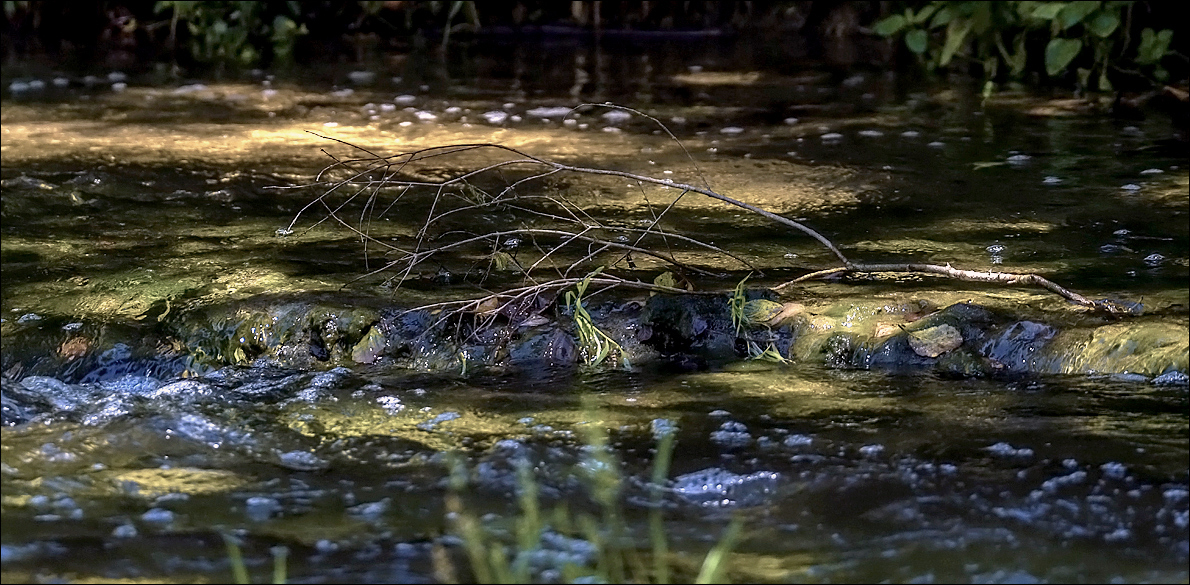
(596, 345)
(584, 547)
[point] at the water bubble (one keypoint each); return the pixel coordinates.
(362, 77)
(936, 144)
(1051, 180)
(1152, 172)
(790, 121)
(910, 134)
(117, 77)
(616, 116)
(495, 117)
(1019, 158)
(61, 82)
(158, 516)
(1154, 259)
(405, 99)
(260, 508)
(1005, 450)
(121, 86)
(831, 137)
(871, 133)
(124, 531)
(871, 450)
(853, 81)
(548, 112)
(731, 130)
(426, 116)
(1131, 187)
(342, 93)
(36, 85)
(391, 404)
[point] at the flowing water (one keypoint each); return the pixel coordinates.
(148, 414)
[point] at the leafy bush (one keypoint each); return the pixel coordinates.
(235, 32)
(1095, 38)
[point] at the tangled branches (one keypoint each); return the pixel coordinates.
(511, 216)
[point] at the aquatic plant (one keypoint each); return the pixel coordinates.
(596, 345)
(239, 570)
(604, 549)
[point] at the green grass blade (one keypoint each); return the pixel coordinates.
(714, 566)
(239, 572)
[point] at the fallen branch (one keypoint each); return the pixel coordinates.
(1007, 278)
(568, 225)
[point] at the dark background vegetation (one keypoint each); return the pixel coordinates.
(1092, 46)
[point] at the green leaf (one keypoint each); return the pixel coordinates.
(956, 33)
(1048, 10)
(981, 18)
(921, 15)
(1025, 9)
(1104, 84)
(942, 17)
(1019, 57)
(1153, 46)
(1059, 53)
(1104, 24)
(890, 26)
(1075, 12)
(917, 40)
